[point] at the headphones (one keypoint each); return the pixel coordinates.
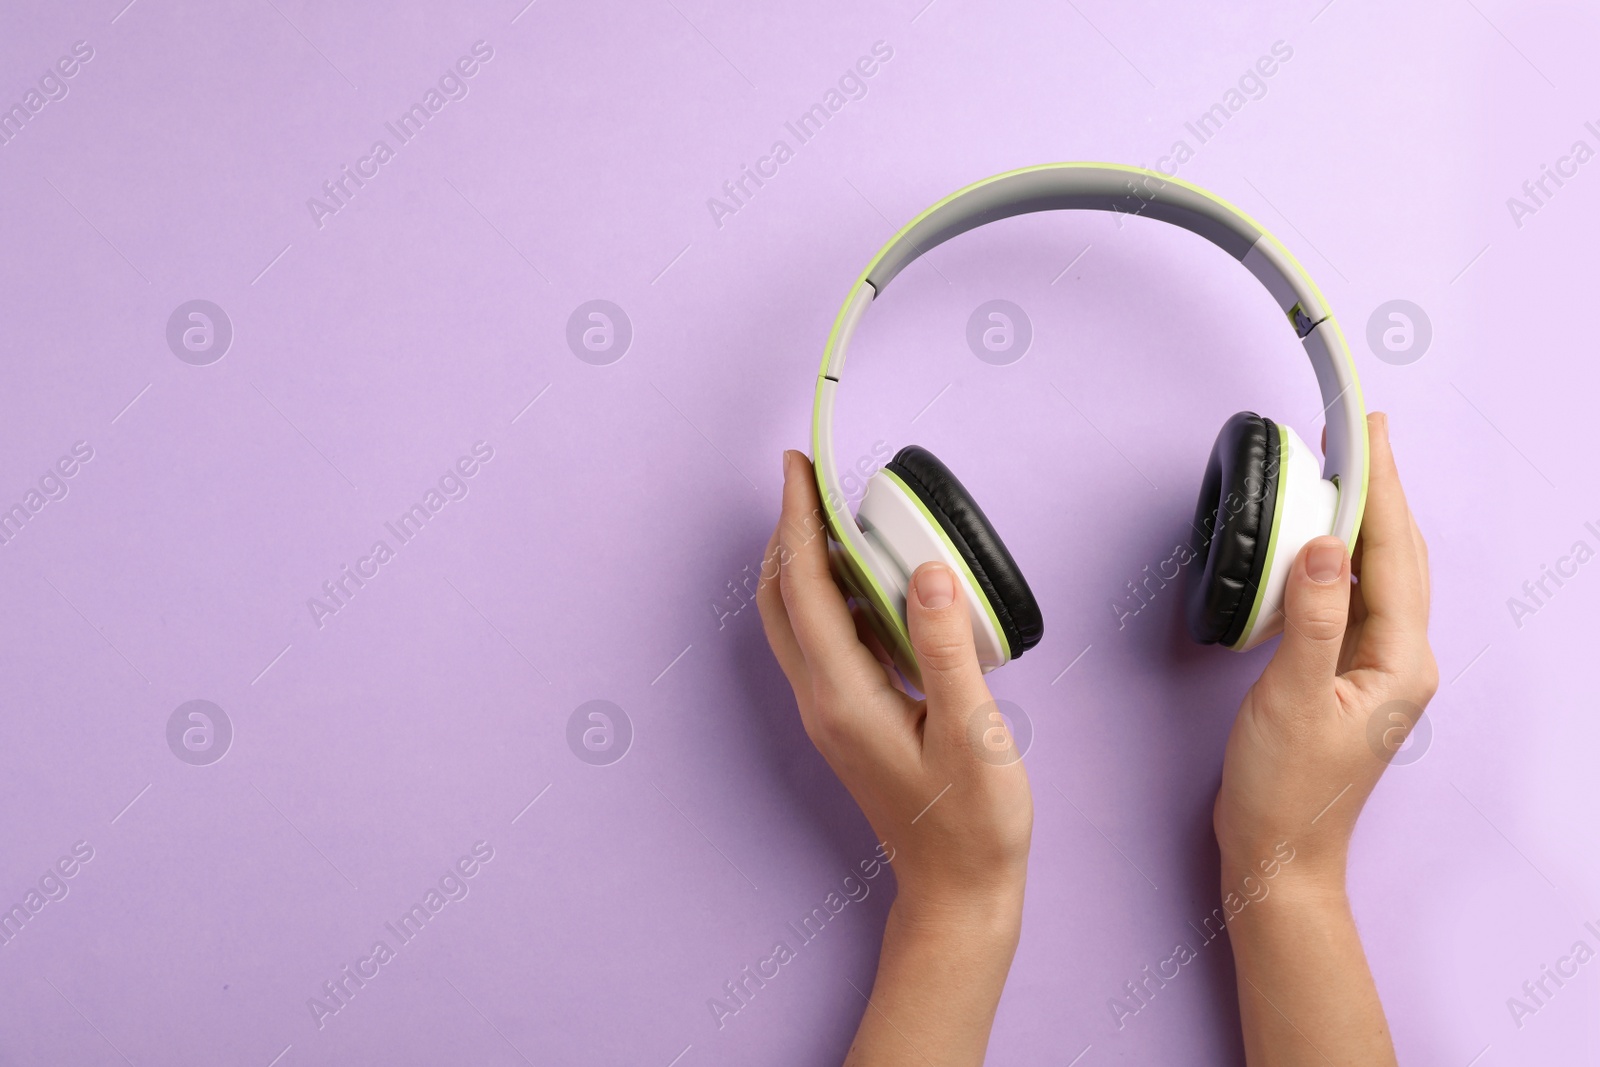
(1263, 495)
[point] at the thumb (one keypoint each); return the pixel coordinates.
(941, 636)
(1316, 606)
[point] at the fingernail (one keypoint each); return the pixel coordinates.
(1325, 561)
(936, 586)
(788, 462)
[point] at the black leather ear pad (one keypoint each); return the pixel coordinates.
(977, 542)
(1232, 525)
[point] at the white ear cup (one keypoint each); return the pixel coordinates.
(903, 537)
(1306, 505)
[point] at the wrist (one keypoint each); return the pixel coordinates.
(1294, 900)
(1309, 867)
(940, 976)
(975, 940)
(975, 918)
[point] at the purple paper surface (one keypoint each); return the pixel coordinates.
(262, 346)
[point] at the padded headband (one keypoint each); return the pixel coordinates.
(1132, 191)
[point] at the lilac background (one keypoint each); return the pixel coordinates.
(596, 548)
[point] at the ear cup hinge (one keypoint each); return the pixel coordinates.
(1303, 324)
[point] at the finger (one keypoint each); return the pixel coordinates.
(1355, 620)
(1316, 607)
(1391, 578)
(1358, 605)
(816, 608)
(775, 620)
(1422, 563)
(941, 637)
(869, 637)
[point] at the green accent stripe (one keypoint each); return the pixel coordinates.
(1361, 409)
(834, 517)
(1330, 321)
(888, 622)
(938, 528)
